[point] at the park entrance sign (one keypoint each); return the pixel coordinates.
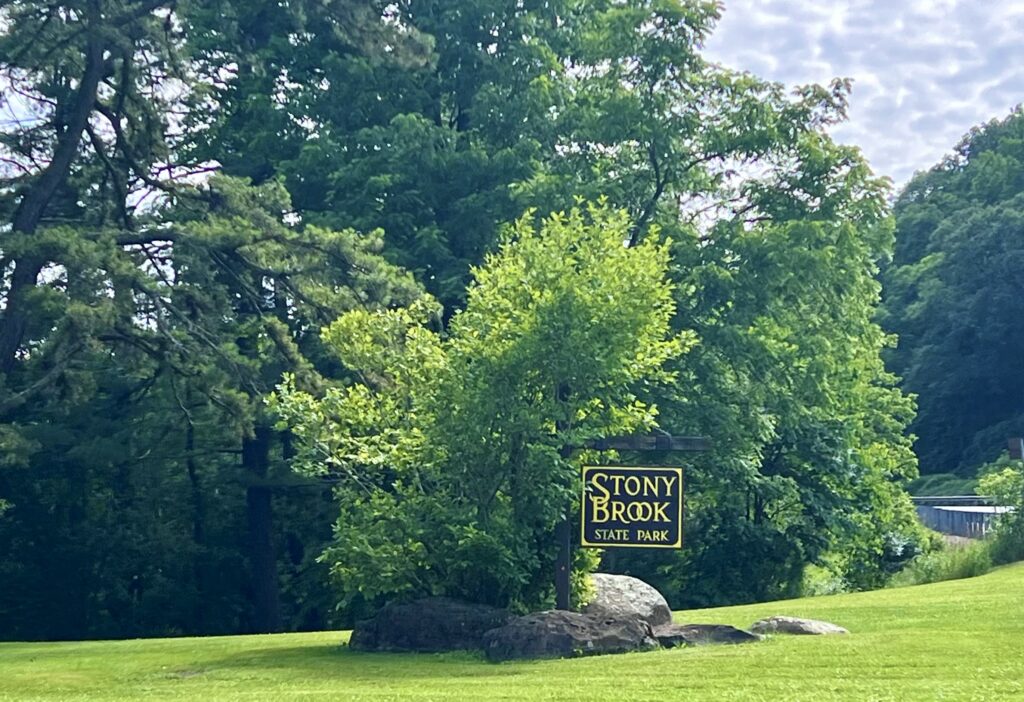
(563, 530)
(632, 506)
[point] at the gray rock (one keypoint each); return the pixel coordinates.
(623, 597)
(670, 635)
(559, 634)
(431, 624)
(795, 625)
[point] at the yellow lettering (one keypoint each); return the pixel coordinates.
(669, 482)
(650, 486)
(617, 482)
(599, 498)
(638, 511)
(632, 485)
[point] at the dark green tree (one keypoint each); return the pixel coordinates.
(144, 318)
(952, 296)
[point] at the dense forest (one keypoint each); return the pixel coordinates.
(953, 297)
(308, 305)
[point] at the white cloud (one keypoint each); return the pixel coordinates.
(924, 71)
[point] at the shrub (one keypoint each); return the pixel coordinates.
(1004, 481)
(822, 580)
(950, 564)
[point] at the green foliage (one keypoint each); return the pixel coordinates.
(451, 451)
(821, 580)
(942, 484)
(126, 471)
(951, 563)
(810, 456)
(426, 147)
(1004, 481)
(149, 307)
(778, 233)
(1008, 542)
(952, 295)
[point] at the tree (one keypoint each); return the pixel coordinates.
(779, 233)
(1003, 479)
(133, 291)
(613, 99)
(202, 334)
(452, 453)
(73, 69)
(810, 453)
(253, 291)
(951, 294)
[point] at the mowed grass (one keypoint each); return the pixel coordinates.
(958, 640)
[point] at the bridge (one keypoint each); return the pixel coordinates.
(968, 516)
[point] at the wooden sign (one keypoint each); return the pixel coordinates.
(632, 506)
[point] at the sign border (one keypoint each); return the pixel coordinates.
(583, 506)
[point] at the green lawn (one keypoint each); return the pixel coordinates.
(958, 640)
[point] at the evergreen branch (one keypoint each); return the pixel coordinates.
(16, 400)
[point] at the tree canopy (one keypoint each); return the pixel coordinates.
(452, 452)
(952, 296)
(194, 190)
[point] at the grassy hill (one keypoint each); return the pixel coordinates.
(958, 640)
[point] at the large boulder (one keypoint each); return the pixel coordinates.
(560, 634)
(624, 597)
(429, 625)
(670, 635)
(795, 625)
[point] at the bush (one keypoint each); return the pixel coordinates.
(1008, 545)
(822, 580)
(1004, 480)
(950, 564)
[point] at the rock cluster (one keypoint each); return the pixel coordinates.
(560, 634)
(626, 615)
(428, 625)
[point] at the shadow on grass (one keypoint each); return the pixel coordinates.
(341, 661)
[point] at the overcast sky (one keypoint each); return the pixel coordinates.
(924, 71)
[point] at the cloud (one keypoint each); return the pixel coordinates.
(924, 71)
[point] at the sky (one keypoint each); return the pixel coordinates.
(924, 71)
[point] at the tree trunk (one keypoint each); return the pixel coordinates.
(266, 598)
(37, 196)
(563, 529)
(200, 566)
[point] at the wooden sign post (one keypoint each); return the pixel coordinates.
(629, 506)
